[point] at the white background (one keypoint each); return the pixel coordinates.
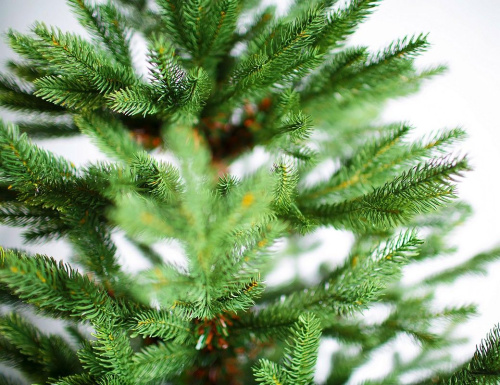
(465, 36)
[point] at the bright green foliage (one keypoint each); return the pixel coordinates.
(162, 324)
(56, 288)
(475, 265)
(224, 78)
(110, 135)
(107, 26)
(421, 189)
(160, 362)
(300, 355)
(30, 171)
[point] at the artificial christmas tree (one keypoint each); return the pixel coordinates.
(224, 77)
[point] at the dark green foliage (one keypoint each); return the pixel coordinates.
(48, 356)
(484, 366)
(172, 86)
(16, 96)
(224, 78)
(49, 129)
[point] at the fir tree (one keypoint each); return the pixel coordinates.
(225, 77)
